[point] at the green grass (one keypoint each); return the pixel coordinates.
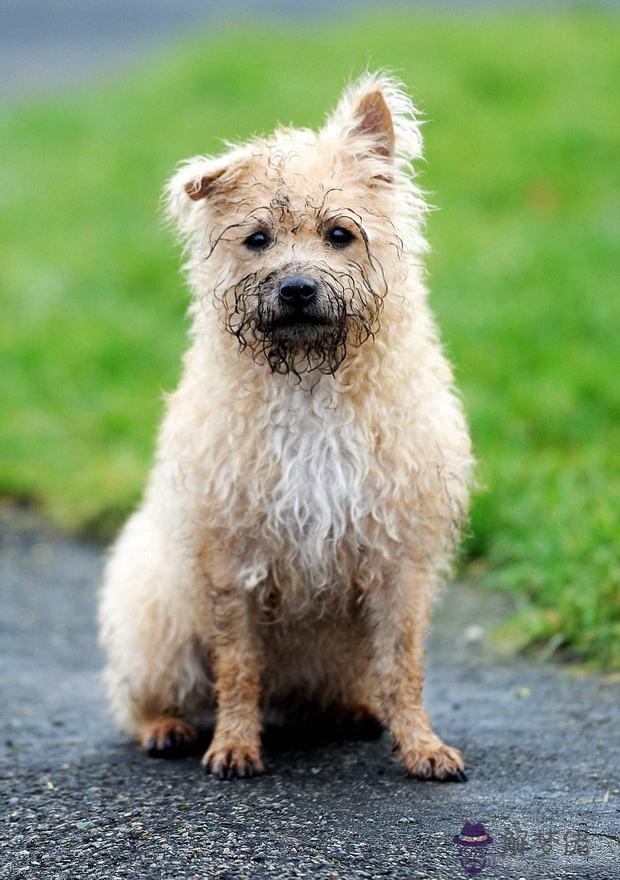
(522, 142)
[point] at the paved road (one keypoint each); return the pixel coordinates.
(541, 744)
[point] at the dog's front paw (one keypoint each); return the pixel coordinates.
(229, 761)
(434, 761)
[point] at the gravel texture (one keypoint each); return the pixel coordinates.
(541, 744)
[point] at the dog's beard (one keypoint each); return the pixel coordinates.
(346, 315)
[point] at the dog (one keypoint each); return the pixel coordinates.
(313, 467)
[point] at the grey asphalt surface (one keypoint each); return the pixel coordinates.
(77, 800)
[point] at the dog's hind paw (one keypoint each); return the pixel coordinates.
(166, 736)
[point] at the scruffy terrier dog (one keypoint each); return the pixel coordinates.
(313, 465)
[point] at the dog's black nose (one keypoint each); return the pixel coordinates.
(298, 290)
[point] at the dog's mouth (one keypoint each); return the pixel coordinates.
(297, 324)
(299, 321)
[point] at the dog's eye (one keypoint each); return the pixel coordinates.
(258, 241)
(339, 236)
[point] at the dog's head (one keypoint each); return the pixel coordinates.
(296, 239)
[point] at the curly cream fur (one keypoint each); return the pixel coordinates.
(293, 511)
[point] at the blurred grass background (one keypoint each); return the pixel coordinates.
(522, 146)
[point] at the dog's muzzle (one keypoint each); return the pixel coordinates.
(298, 303)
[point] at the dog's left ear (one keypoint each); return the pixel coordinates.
(372, 119)
(376, 119)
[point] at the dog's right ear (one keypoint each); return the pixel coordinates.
(199, 188)
(196, 181)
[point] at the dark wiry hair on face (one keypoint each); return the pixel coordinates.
(350, 302)
(350, 306)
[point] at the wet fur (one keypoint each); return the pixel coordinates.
(308, 487)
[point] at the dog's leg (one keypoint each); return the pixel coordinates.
(153, 619)
(399, 615)
(235, 750)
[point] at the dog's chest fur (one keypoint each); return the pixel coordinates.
(313, 490)
(322, 487)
